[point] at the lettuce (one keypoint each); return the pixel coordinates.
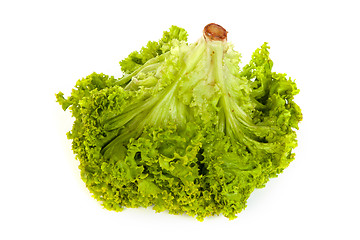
(185, 129)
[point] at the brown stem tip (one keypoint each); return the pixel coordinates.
(215, 32)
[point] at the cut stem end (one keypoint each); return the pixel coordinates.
(215, 32)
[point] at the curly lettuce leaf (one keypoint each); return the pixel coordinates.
(153, 49)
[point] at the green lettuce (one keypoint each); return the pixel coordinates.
(185, 129)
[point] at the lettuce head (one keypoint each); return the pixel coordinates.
(185, 129)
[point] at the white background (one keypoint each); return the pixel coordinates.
(45, 46)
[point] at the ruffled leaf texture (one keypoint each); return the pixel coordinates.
(185, 129)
